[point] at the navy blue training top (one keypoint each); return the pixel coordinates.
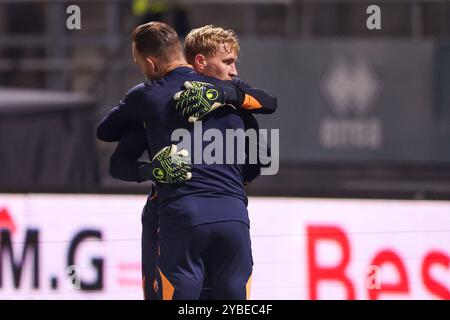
(215, 192)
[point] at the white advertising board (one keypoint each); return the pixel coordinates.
(88, 247)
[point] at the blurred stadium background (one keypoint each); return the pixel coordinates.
(363, 114)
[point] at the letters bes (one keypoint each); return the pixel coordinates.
(339, 274)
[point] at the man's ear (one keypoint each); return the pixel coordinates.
(200, 62)
(152, 63)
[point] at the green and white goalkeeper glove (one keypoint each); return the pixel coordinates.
(198, 99)
(170, 166)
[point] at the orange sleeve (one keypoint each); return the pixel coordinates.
(251, 103)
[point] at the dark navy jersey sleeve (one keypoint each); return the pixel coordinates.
(251, 171)
(126, 116)
(124, 164)
(254, 99)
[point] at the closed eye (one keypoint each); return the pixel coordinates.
(229, 61)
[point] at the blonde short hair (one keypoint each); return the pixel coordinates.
(207, 40)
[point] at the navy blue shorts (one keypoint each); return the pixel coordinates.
(149, 247)
(149, 254)
(219, 251)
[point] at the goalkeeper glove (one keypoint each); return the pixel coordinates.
(170, 166)
(198, 99)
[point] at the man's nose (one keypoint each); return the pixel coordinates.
(233, 71)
